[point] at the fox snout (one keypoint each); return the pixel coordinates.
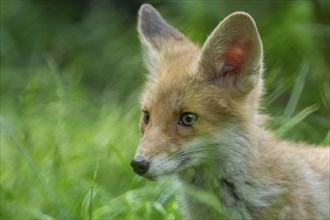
(140, 165)
(151, 158)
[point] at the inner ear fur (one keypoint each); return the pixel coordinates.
(232, 54)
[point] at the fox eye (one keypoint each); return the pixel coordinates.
(188, 119)
(146, 117)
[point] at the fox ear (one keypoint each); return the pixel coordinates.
(232, 54)
(154, 32)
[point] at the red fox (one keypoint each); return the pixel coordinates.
(201, 121)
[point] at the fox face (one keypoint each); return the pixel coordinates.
(193, 94)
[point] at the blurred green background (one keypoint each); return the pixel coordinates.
(71, 73)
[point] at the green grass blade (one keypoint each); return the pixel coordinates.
(297, 89)
(296, 119)
(92, 188)
(279, 89)
(326, 140)
(32, 164)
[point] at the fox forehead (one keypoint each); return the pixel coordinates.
(169, 92)
(171, 81)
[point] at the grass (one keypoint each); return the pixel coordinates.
(69, 105)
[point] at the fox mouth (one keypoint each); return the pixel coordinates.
(151, 178)
(170, 167)
(188, 155)
(159, 167)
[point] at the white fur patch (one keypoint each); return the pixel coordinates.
(161, 165)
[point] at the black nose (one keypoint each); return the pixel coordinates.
(140, 165)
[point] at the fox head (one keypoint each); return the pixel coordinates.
(193, 91)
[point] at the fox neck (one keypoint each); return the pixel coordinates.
(228, 176)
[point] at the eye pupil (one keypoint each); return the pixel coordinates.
(188, 119)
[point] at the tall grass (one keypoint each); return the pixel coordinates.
(69, 103)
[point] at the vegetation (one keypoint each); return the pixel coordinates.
(71, 72)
